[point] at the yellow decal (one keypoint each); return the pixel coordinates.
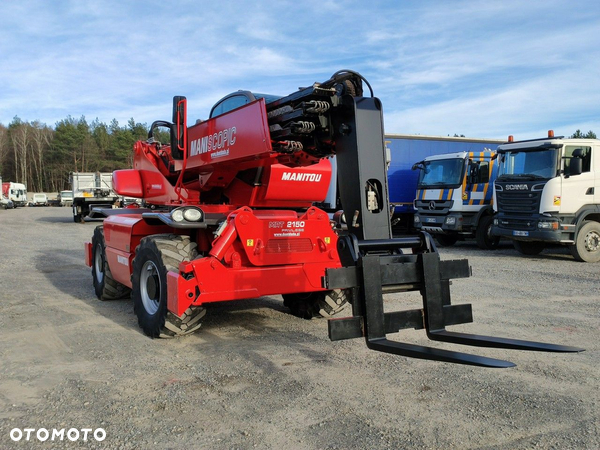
(557, 200)
(465, 196)
(249, 242)
(328, 240)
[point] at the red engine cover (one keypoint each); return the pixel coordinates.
(301, 183)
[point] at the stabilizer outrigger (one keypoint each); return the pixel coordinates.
(373, 268)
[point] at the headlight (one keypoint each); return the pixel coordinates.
(177, 215)
(187, 214)
(548, 225)
(192, 214)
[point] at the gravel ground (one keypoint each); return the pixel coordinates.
(257, 377)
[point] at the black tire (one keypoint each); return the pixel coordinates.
(154, 257)
(446, 240)
(105, 286)
(587, 245)
(483, 234)
(308, 305)
(529, 248)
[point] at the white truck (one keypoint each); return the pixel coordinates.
(39, 199)
(548, 192)
(17, 192)
(65, 198)
(454, 197)
(5, 202)
(91, 190)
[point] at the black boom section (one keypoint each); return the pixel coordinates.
(362, 171)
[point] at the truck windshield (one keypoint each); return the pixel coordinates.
(441, 172)
(541, 164)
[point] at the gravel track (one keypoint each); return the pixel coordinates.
(258, 377)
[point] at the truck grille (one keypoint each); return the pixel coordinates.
(517, 224)
(439, 206)
(519, 202)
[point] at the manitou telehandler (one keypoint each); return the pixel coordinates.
(229, 213)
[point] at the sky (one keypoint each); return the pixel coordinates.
(483, 69)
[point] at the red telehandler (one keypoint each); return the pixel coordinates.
(229, 213)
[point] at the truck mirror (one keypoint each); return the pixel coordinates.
(419, 165)
(178, 129)
(473, 173)
(576, 165)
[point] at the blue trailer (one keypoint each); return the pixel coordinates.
(406, 150)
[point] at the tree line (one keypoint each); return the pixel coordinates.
(42, 157)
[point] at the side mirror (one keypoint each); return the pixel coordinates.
(576, 162)
(576, 166)
(179, 127)
(419, 165)
(473, 173)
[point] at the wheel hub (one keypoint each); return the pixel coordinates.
(592, 242)
(150, 287)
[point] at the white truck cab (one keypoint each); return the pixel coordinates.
(17, 192)
(548, 191)
(454, 197)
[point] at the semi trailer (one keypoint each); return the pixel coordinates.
(405, 151)
(90, 190)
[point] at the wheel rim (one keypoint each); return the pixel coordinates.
(592, 241)
(150, 287)
(99, 264)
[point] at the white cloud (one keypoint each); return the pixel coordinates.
(471, 67)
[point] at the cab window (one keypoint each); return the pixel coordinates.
(586, 159)
(480, 172)
(229, 104)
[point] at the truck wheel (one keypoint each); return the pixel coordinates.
(587, 246)
(105, 286)
(446, 240)
(483, 234)
(154, 257)
(307, 305)
(529, 248)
